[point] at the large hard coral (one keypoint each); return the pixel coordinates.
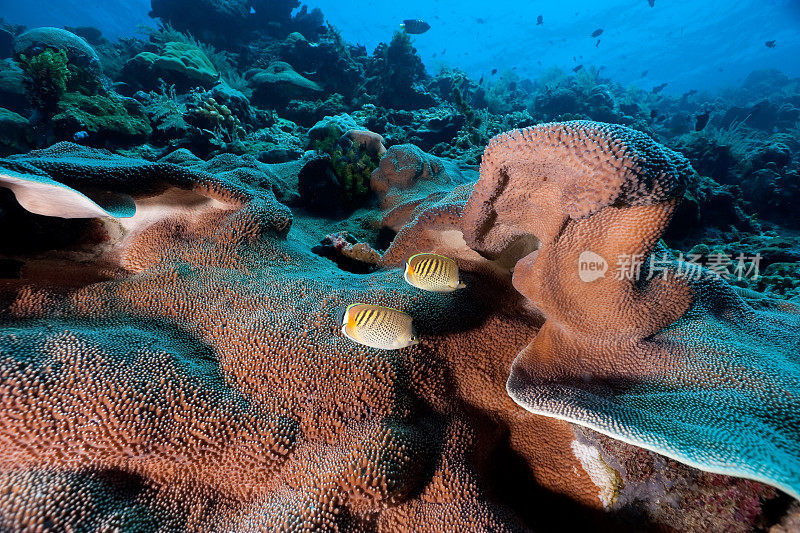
(679, 363)
(221, 362)
(77, 50)
(406, 176)
(109, 120)
(181, 64)
(206, 387)
(71, 181)
(56, 61)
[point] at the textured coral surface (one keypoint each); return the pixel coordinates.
(679, 364)
(203, 384)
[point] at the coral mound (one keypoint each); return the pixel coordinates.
(675, 362)
(77, 49)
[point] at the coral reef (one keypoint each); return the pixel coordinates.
(394, 74)
(277, 84)
(261, 415)
(15, 132)
(176, 63)
(633, 357)
(107, 120)
(186, 211)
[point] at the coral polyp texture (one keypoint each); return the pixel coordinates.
(204, 385)
(676, 362)
(197, 380)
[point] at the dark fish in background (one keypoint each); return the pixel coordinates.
(701, 120)
(689, 93)
(481, 81)
(480, 20)
(644, 73)
(598, 32)
(651, 3)
(597, 43)
(494, 71)
(444, 51)
(539, 20)
(653, 113)
(415, 27)
(770, 44)
(658, 88)
(576, 69)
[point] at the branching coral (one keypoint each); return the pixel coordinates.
(47, 74)
(354, 156)
(394, 73)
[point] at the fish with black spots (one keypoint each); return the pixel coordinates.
(432, 272)
(377, 326)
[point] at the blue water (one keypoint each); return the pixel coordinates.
(688, 44)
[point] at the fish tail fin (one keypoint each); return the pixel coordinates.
(461, 285)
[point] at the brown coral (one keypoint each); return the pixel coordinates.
(211, 390)
(674, 362)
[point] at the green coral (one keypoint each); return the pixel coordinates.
(15, 132)
(108, 118)
(352, 165)
(47, 76)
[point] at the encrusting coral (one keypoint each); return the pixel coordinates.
(679, 363)
(204, 385)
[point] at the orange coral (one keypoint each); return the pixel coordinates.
(677, 365)
(211, 390)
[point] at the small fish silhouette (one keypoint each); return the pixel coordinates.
(539, 20)
(576, 69)
(651, 3)
(770, 44)
(415, 26)
(701, 120)
(598, 32)
(658, 88)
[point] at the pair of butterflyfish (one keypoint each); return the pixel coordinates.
(391, 329)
